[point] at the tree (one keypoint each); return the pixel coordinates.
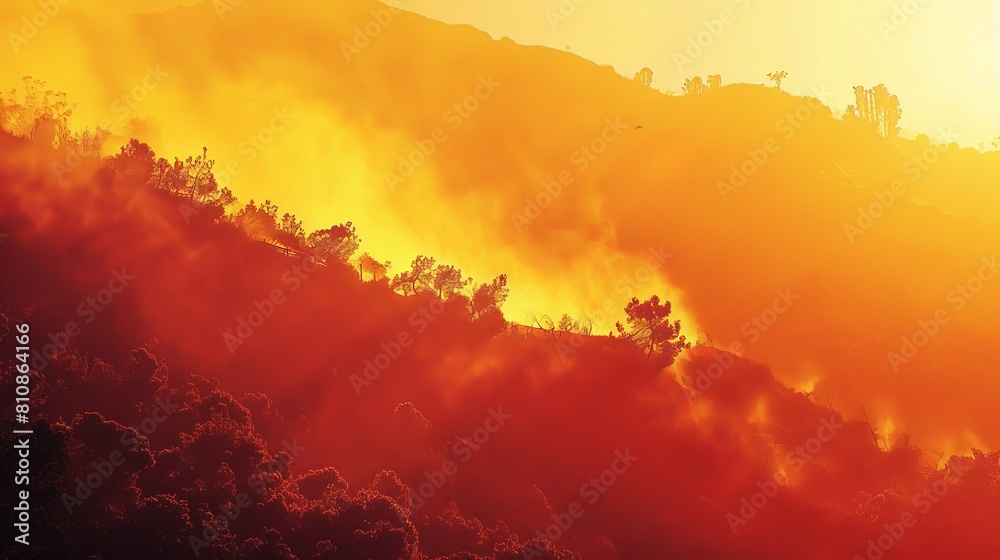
(89, 142)
(339, 242)
(292, 229)
(376, 268)
(448, 280)
(644, 77)
(262, 223)
(651, 329)
(416, 280)
(191, 178)
(694, 86)
(133, 163)
(259, 222)
(167, 176)
(487, 298)
(544, 324)
(200, 179)
(715, 81)
(41, 114)
(887, 111)
(878, 108)
(577, 326)
(567, 323)
(777, 77)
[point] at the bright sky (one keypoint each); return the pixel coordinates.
(942, 58)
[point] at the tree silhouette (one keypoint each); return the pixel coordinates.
(133, 163)
(694, 86)
(777, 77)
(191, 178)
(262, 223)
(339, 242)
(38, 113)
(291, 227)
(878, 108)
(199, 175)
(698, 85)
(650, 328)
(488, 298)
(259, 222)
(418, 279)
(373, 266)
(577, 326)
(644, 77)
(448, 280)
(567, 323)
(543, 323)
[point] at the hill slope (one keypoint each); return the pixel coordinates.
(467, 444)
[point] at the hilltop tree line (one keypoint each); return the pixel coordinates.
(192, 180)
(873, 106)
(45, 117)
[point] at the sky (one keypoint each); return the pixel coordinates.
(940, 58)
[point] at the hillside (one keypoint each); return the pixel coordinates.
(470, 443)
